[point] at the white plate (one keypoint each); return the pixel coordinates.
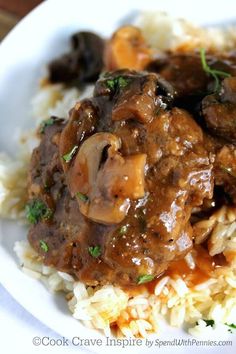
(42, 35)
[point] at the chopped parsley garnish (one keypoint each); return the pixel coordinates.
(146, 278)
(43, 245)
(36, 210)
(95, 251)
(232, 325)
(117, 83)
(213, 72)
(209, 322)
(82, 197)
(68, 157)
(45, 124)
(123, 230)
(212, 323)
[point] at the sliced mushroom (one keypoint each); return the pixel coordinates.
(122, 177)
(104, 188)
(127, 49)
(83, 174)
(228, 90)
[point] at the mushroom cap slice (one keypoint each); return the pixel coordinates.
(104, 185)
(127, 49)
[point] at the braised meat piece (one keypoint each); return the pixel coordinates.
(120, 180)
(188, 76)
(47, 187)
(225, 170)
(184, 72)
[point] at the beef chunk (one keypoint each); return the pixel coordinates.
(124, 175)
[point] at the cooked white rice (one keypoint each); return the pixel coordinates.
(53, 100)
(163, 32)
(106, 306)
(102, 307)
(13, 185)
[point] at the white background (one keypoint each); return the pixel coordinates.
(18, 328)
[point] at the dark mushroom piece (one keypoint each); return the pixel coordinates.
(83, 63)
(219, 111)
(184, 72)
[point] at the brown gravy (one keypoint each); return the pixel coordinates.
(203, 271)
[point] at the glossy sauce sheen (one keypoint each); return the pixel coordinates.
(142, 165)
(205, 265)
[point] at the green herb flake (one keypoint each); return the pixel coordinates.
(36, 210)
(95, 251)
(68, 157)
(146, 278)
(123, 230)
(209, 322)
(117, 83)
(45, 124)
(213, 72)
(232, 325)
(43, 246)
(122, 82)
(111, 84)
(82, 197)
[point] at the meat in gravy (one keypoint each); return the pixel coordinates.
(122, 177)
